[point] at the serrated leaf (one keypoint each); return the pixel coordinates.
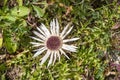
(40, 12)
(20, 11)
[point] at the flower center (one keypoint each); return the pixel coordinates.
(53, 43)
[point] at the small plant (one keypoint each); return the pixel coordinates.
(96, 24)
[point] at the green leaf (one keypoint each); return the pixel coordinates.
(20, 2)
(10, 18)
(3, 67)
(23, 23)
(11, 45)
(40, 12)
(5, 1)
(3, 77)
(20, 11)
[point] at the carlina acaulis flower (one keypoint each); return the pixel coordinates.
(53, 42)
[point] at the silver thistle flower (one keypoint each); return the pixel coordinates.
(53, 42)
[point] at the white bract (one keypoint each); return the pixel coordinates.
(53, 42)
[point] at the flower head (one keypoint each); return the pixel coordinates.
(53, 42)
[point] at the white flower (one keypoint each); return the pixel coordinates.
(53, 42)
